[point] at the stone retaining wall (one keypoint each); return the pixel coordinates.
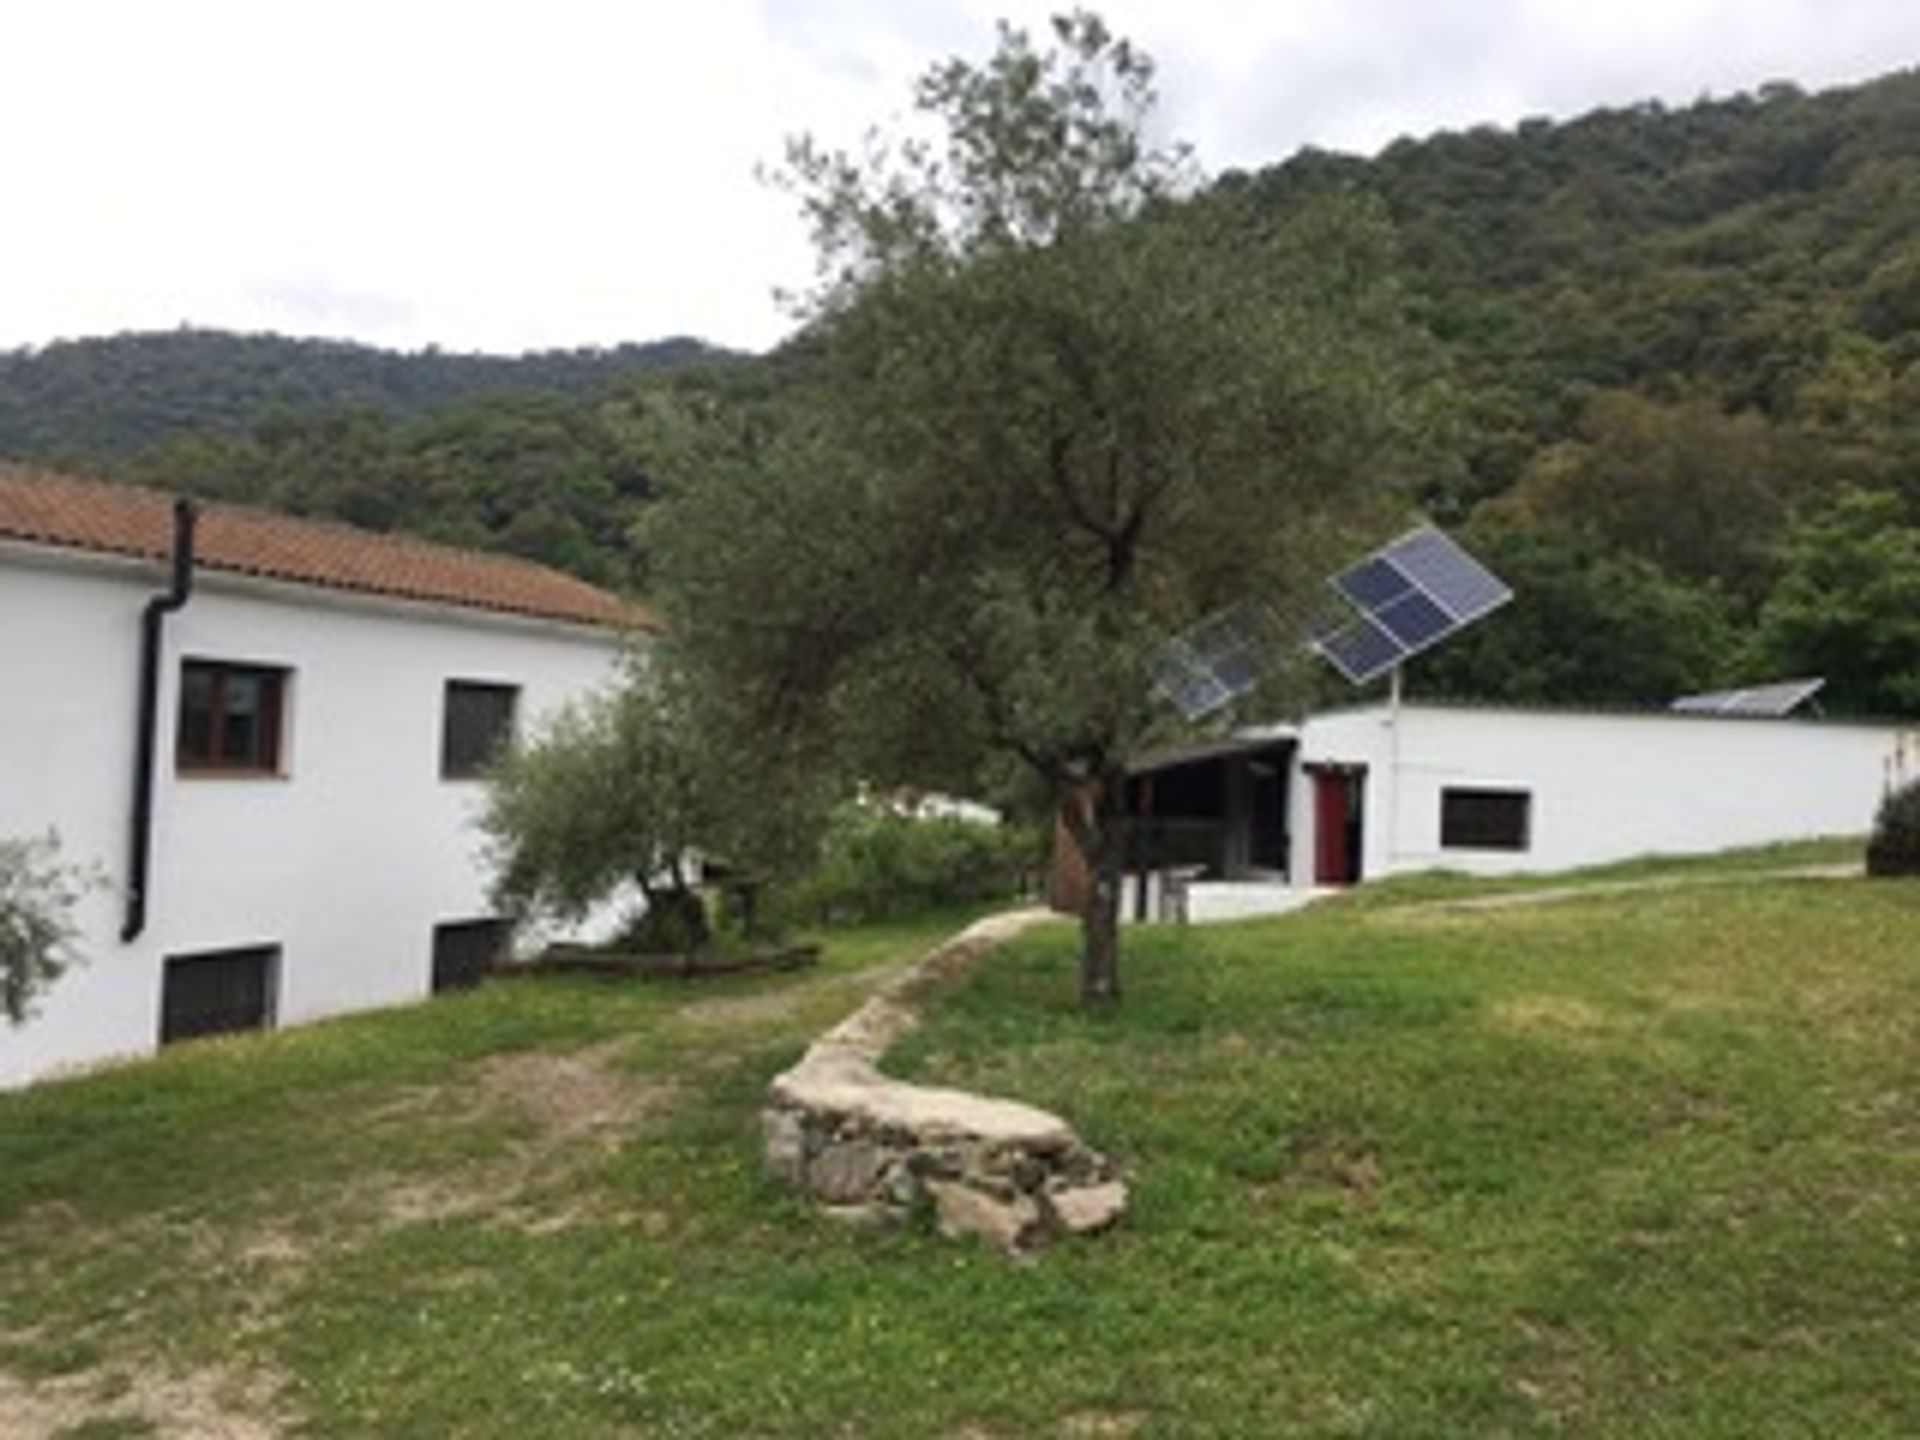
(872, 1147)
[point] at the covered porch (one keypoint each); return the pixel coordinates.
(1207, 832)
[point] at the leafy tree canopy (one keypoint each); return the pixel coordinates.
(38, 891)
(627, 788)
(1054, 420)
(1848, 606)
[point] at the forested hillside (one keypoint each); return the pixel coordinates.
(102, 400)
(1687, 350)
(1684, 350)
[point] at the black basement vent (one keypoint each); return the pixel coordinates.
(217, 993)
(465, 950)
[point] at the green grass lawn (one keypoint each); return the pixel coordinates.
(1637, 1164)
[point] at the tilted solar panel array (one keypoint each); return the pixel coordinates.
(1410, 596)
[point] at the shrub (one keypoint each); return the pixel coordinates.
(1895, 846)
(37, 894)
(876, 863)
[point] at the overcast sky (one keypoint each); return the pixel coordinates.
(502, 176)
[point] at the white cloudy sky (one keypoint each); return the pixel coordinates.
(488, 175)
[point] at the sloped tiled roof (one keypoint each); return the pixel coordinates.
(43, 507)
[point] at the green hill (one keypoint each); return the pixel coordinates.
(102, 400)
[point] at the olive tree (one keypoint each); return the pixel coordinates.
(625, 789)
(1047, 412)
(38, 892)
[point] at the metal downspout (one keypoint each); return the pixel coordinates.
(152, 625)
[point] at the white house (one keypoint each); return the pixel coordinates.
(1384, 789)
(264, 733)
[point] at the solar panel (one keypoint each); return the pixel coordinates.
(1372, 583)
(1216, 661)
(1238, 671)
(1325, 617)
(1781, 698)
(1194, 690)
(1414, 620)
(1410, 596)
(1363, 651)
(1447, 574)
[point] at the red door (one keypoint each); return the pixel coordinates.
(1331, 864)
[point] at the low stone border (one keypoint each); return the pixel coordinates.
(872, 1147)
(582, 960)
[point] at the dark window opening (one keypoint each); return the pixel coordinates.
(477, 725)
(217, 993)
(230, 718)
(465, 950)
(1485, 819)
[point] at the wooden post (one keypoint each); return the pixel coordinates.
(1143, 848)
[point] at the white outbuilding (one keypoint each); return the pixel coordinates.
(263, 734)
(1383, 789)
(1253, 820)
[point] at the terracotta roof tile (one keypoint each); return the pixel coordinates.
(47, 508)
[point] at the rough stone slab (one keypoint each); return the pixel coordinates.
(929, 1112)
(784, 1137)
(1084, 1209)
(845, 1174)
(1007, 1224)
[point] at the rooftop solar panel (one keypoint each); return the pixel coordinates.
(1763, 701)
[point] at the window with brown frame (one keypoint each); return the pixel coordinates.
(230, 717)
(1486, 819)
(476, 725)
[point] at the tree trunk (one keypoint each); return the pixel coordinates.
(1093, 820)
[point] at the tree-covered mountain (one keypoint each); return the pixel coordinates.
(1684, 348)
(1759, 253)
(1687, 356)
(98, 401)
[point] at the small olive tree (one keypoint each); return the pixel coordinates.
(624, 789)
(38, 892)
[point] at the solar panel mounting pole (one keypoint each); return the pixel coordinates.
(1391, 809)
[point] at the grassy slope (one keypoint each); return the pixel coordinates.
(1623, 1165)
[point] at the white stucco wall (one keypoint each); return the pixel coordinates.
(346, 862)
(1604, 787)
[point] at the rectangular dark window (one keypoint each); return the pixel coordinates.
(464, 950)
(230, 718)
(1485, 819)
(477, 724)
(218, 993)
